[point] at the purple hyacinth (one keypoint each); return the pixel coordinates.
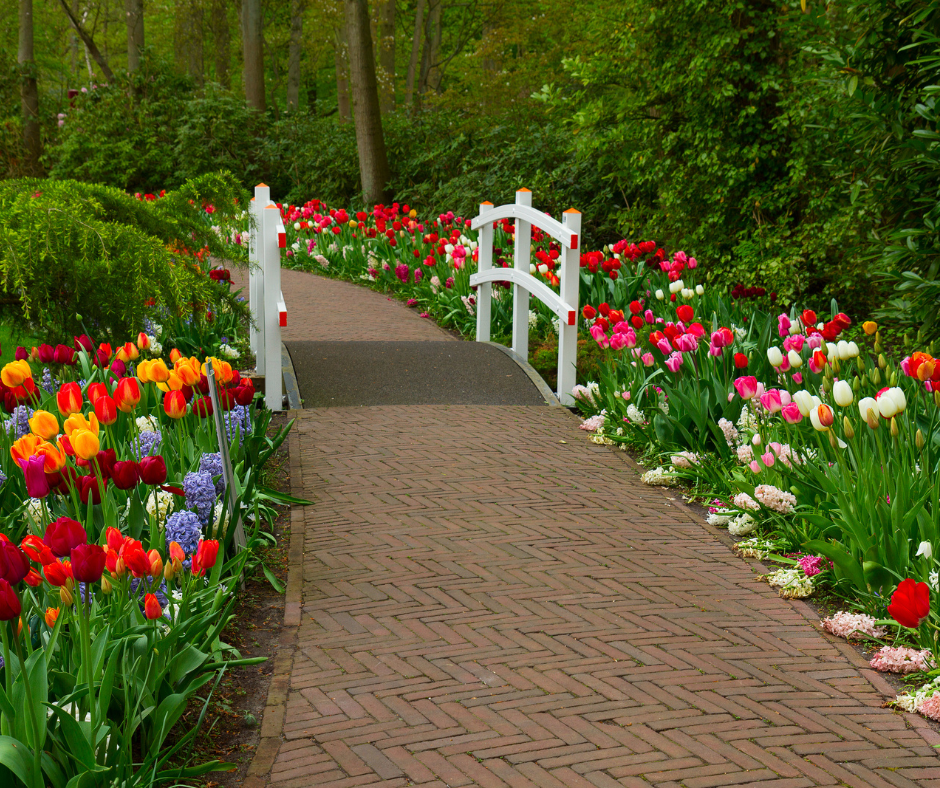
(146, 444)
(200, 494)
(19, 421)
(185, 529)
(48, 384)
(212, 464)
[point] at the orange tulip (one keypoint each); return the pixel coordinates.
(44, 424)
(173, 383)
(106, 410)
(25, 447)
(52, 615)
(85, 443)
(175, 356)
(15, 373)
(152, 607)
(174, 403)
(156, 563)
(158, 371)
(69, 399)
(188, 375)
(55, 458)
(127, 394)
(131, 350)
(143, 371)
(143, 341)
(223, 370)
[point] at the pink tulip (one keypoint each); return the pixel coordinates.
(815, 341)
(674, 362)
(618, 342)
(647, 359)
(600, 336)
(714, 350)
(754, 466)
(783, 325)
(664, 347)
(622, 328)
(798, 377)
(687, 343)
(768, 459)
(648, 316)
(791, 413)
(771, 401)
(794, 343)
(746, 386)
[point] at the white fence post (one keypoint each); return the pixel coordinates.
(568, 333)
(256, 275)
(272, 234)
(520, 296)
(484, 263)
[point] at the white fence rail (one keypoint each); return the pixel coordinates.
(565, 305)
(265, 298)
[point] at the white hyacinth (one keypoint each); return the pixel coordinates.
(742, 525)
(659, 477)
(793, 583)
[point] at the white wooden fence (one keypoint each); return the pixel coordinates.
(567, 232)
(265, 298)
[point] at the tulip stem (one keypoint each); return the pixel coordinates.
(84, 602)
(8, 676)
(33, 711)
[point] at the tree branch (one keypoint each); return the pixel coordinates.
(89, 43)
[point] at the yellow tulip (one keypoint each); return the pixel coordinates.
(223, 370)
(25, 447)
(158, 372)
(85, 443)
(78, 422)
(14, 373)
(173, 383)
(143, 371)
(44, 424)
(870, 327)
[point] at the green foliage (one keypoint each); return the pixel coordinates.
(70, 249)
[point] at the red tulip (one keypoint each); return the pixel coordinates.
(910, 603)
(9, 602)
(206, 555)
(842, 320)
(152, 607)
(114, 538)
(64, 355)
(46, 354)
(202, 407)
(33, 579)
(135, 558)
(14, 565)
(21, 354)
(808, 317)
(96, 390)
(88, 563)
(58, 573)
(174, 404)
(37, 550)
(69, 399)
(153, 470)
(84, 343)
(64, 534)
(125, 474)
(91, 489)
(685, 313)
(127, 394)
(106, 410)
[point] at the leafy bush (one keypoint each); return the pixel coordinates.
(69, 249)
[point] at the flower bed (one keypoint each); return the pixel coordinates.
(803, 431)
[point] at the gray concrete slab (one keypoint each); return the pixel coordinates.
(341, 373)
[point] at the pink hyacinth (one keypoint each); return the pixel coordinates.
(852, 626)
(930, 707)
(812, 564)
(889, 659)
(402, 271)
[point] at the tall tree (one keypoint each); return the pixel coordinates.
(431, 73)
(253, 47)
(294, 52)
(386, 48)
(134, 13)
(29, 91)
(341, 62)
(221, 41)
(416, 40)
(370, 142)
(89, 42)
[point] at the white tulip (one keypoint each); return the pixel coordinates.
(842, 393)
(844, 350)
(756, 439)
(449, 248)
(925, 549)
(660, 295)
(774, 356)
(542, 268)
(866, 404)
(700, 289)
(675, 287)
(795, 359)
(804, 401)
(296, 225)
(532, 269)
(897, 395)
(887, 406)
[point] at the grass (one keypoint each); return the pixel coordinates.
(10, 337)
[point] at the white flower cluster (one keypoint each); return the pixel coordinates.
(913, 701)
(744, 501)
(147, 424)
(324, 263)
(755, 547)
(34, 510)
(594, 422)
(685, 459)
(720, 518)
(775, 498)
(934, 580)
(228, 351)
(729, 431)
(587, 393)
(745, 453)
(793, 583)
(157, 329)
(533, 319)
(852, 626)
(659, 477)
(155, 349)
(635, 414)
(747, 420)
(160, 508)
(742, 525)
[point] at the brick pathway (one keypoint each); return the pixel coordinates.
(479, 596)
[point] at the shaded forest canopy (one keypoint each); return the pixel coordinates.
(792, 146)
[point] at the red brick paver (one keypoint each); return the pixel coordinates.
(488, 599)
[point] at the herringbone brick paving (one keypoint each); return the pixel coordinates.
(491, 600)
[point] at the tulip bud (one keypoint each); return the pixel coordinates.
(856, 385)
(120, 568)
(824, 347)
(878, 347)
(833, 441)
(875, 377)
(106, 586)
(919, 440)
(848, 428)
(861, 363)
(65, 595)
(52, 614)
(936, 397)
(894, 427)
(882, 361)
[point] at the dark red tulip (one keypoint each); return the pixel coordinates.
(90, 488)
(14, 565)
(84, 343)
(88, 563)
(125, 474)
(21, 354)
(46, 354)
(34, 471)
(64, 534)
(153, 470)
(64, 355)
(202, 407)
(9, 602)
(203, 384)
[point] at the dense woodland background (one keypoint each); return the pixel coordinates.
(785, 145)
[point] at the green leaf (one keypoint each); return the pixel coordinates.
(275, 583)
(848, 565)
(17, 757)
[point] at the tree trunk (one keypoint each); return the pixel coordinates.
(386, 49)
(29, 91)
(341, 58)
(221, 41)
(294, 53)
(432, 78)
(415, 53)
(194, 44)
(89, 42)
(253, 38)
(134, 13)
(373, 161)
(73, 43)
